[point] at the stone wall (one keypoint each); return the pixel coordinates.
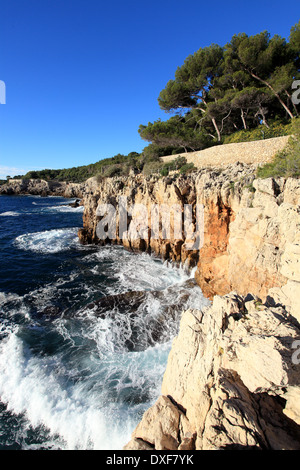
(256, 153)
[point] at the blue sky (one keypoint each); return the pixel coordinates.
(82, 75)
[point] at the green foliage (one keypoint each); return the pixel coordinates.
(187, 168)
(173, 165)
(176, 94)
(34, 174)
(295, 41)
(153, 152)
(164, 171)
(286, 163)
(152, 168)
(117, 165)
(219, 91)
(277, 129)
(112, 170)
(178, 164)
(158, 167)
(175, 132)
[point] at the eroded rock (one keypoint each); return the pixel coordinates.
(235, 383)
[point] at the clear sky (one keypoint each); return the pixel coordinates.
(82, 75)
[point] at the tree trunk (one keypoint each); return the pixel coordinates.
(261, 112)
(294, 106)
(213, 121)
(273, 91)
(217, 129)
(243, 119)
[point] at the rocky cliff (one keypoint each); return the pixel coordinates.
(42, 188)
(232, 382)
(250, 227)
(232, 379)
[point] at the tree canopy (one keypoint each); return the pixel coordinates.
(221, 90)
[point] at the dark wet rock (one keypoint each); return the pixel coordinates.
(74, 204)
(120, 303)
(50, 311)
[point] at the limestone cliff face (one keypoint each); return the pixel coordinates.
(232, 382)
(263, 248)
(148, 192)
(251, 227)
(209, 187)
(42, 188)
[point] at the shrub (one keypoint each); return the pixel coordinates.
(112, 170)
(173, 165)
(153, 152)
(152, 167)
(99, 178)
(287, 162)
(277, 129)
(187, 168)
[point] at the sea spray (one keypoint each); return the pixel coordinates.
(83, 344)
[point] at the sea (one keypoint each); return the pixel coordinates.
(85, 331)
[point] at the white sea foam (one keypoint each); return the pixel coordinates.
(91, 391)
(7, 297)
(59, 207)
(81, 415)
(6, 327)
(135, 271)
(9, 214)
(64, 208)
(50, 241)
(31, 385)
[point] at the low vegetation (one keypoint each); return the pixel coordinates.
(286, 163)
(277, 129)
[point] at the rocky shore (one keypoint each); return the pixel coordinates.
(232, 381)
(251, 227)
(42, 188)
(233, 375)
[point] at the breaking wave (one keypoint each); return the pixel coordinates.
(9, 214)
(50, 241)
(83, 348)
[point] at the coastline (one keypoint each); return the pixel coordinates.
(239, 354)
(248, 265)
(37, 187)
